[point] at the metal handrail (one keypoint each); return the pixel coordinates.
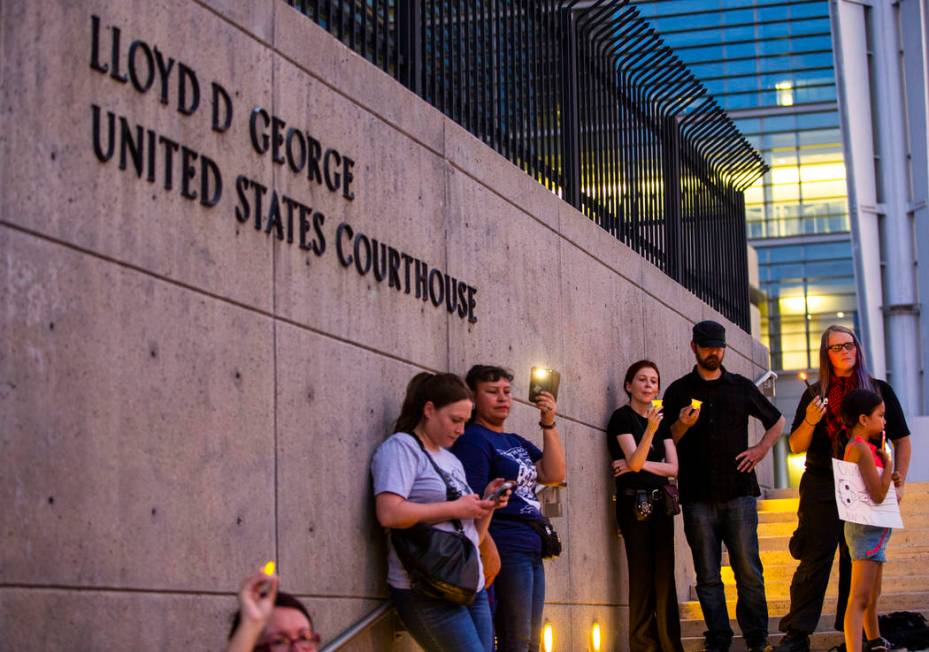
(767, 382)
(361, 626)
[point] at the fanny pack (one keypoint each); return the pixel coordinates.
(551, 542)
(667, 498)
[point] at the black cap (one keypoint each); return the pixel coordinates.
(710, 334)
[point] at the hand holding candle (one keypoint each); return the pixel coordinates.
(256, 597)
(815, 410)
(268, 571)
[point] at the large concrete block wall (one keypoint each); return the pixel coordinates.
(183, 397)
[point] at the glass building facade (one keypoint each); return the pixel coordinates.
(770, 65)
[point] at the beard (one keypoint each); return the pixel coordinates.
(710, 362)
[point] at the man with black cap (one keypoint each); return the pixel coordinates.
(708, 412)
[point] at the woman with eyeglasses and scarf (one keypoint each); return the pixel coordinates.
(818, 430)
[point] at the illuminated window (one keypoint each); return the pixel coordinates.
(785, 93)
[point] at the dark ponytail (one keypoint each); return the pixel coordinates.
(855, 403)
(858, 402)
(439, 389)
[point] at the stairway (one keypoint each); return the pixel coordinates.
(906, 574)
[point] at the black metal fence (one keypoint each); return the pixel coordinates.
(587, 99)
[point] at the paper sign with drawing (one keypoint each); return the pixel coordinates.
(854, 503)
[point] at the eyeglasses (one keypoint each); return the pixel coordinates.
(848, 346)
(306, 641)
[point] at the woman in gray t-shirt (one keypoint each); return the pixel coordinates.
(409, 490)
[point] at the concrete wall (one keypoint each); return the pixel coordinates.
(183, 397)
(919, 462)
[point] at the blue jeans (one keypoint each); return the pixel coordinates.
(441, 626)
(520, 593)
(735, 523)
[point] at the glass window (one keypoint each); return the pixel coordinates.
(806, 9)
(824, 189)
(817, 120)
(780, 123)
(842, 249)
(756, 54)
(789, 253)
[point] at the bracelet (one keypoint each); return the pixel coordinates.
(811, 425)
(549, 426)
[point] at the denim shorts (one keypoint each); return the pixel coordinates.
(867, 541)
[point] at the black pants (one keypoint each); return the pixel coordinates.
(814, 543)
(654, 621)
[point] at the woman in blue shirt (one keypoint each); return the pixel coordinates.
(488, 451)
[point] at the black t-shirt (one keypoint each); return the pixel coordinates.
(707, 468)
(625, 421)
(819, 454)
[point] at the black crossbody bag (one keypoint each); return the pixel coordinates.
(551, 543)
(442, 565)
(669, 497)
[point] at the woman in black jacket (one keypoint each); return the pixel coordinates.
(817, 430)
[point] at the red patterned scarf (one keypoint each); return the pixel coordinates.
(835, 427)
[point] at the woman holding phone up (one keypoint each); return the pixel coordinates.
(487, 450)
(411, 488)
(642, 466)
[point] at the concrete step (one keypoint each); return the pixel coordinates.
(901, 539)
(794, 492)
(906, 583)
(777, 517)
(775, 494)
(774, 573)
(777, 529)
(908, 554)
(906, 587)
(784, 523)
(786, 528)
(913, 488)
(819, 641)
(695, 627)
(914, 601)
(778, 505)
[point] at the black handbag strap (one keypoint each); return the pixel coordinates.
(450, 491)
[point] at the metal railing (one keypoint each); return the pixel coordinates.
(368, 621)
(585, 97)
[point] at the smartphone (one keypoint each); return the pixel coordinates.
(543, 380)
(502, 489)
